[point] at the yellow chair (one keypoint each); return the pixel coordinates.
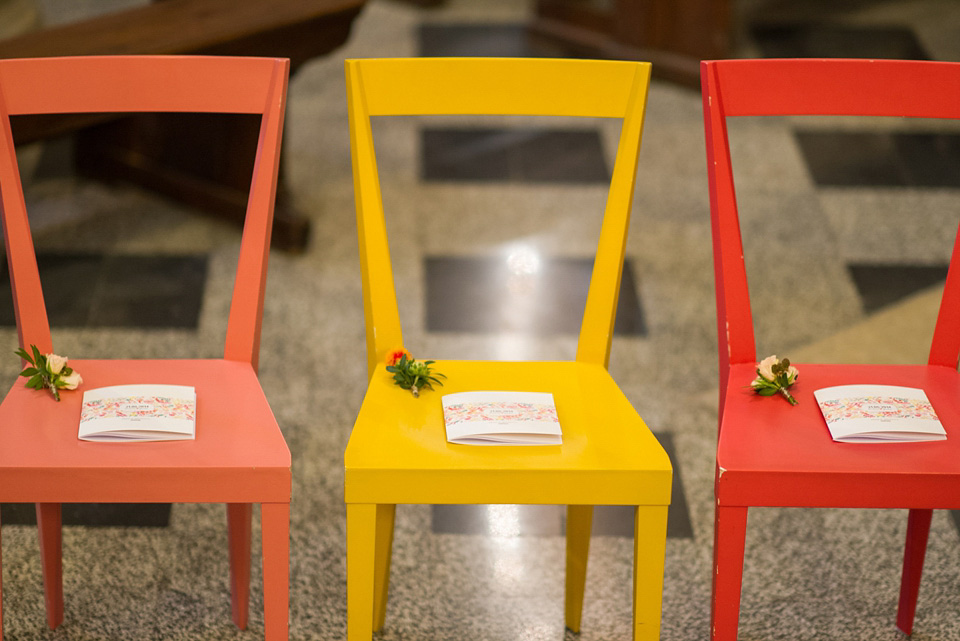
(398, 451)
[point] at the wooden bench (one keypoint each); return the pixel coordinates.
(674, 35)
(191, 158)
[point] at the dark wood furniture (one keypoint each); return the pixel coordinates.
(672, 34)
(197, 159)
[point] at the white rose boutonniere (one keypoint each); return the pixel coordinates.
(774, 376)
(48, 371)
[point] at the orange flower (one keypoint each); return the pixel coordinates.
(394, 356)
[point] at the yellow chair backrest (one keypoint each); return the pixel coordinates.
(493, 86)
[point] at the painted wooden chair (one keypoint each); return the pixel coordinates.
(773, 454)
(398, 451)
(239, 456)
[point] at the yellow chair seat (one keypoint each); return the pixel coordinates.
(398, 452)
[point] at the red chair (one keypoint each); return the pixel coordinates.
(239, 456)
(770, 453)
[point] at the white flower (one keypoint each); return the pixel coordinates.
(765, 367)
(71, 381)
(792, 373)
(55, 364)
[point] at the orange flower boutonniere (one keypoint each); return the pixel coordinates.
(411, 374)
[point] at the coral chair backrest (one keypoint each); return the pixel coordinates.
(912, 89)
(110, 84)
(493, 86)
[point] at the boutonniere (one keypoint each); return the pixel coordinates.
(774, 376)
(50, 371)
(410, 373)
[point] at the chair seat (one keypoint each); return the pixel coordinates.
(239, 454)
(771, 453)
(398, 452)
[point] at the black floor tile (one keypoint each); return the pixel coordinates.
(549, 520)
(849, 159)
(881, 159)
(492, 39)
(539, 295)
(93, 290)
(513, 155)
(929, 159)
(837, 41)
(882, 285)
(93, 514)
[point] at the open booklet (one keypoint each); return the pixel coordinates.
(137, 413)
(879, 414)
(501, 418)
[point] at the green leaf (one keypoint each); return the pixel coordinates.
(30, 371)
(22, 353)
(36, 355)
(767, 391)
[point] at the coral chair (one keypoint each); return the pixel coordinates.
(239, 456)
(398, 452)
(772, 454)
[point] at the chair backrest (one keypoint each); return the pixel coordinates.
(911, 89)
(114, 84)
(493, 86)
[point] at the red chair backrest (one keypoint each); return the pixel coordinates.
(111, 84)
(912, 89)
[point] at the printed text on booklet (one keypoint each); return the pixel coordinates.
(501, 418)
(879, 414)
(137, 413)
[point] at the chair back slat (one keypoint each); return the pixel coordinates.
(104, 84)
(496, 86)
(493, 86)
(884, 88)
(905, 88)
(123, 84)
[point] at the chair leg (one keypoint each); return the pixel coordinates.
(239, 517)
(384, 549)
(51, 563)
(918, 530)
(730, 530)
(275, 531)
(361, 566)
(579, 524)
(1, 583)
(649, 554)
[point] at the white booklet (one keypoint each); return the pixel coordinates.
(879, 414)
(137, 413)
(501, 418)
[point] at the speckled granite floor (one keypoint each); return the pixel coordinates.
(809, 574)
